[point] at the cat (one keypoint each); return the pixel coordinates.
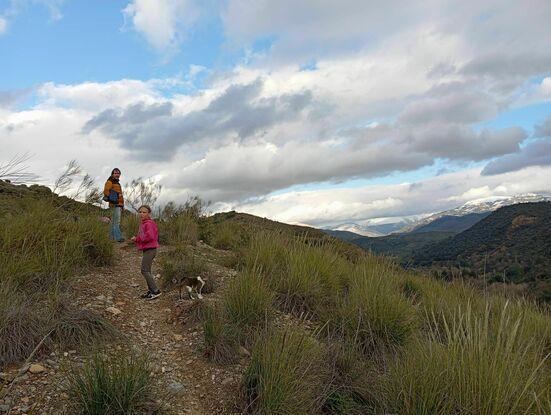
(194, 285)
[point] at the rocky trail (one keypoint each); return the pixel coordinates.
(186, 381)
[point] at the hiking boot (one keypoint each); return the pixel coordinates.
(152, 296)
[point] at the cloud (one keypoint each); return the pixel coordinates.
(358, 204)
(239, 112)
(537, 153)
(3, 25)
(10, 98)
(163, 23)
(455, 102)
(94, 96)
(458, 142)
(16, 7)
(544, 129)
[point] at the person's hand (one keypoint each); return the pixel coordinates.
(133, 239)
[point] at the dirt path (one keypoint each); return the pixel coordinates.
(187, 382)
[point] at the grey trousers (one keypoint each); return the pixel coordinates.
(147, 261)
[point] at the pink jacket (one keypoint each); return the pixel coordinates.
(148, 235)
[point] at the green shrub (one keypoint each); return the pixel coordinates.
(221, 340)
(180, 229)
(130, 223)
(354, 378)
(287, 375)
(375, 311)
(43, 246)
(111, 385)
(23, 325)
(180, 263)
(228, 235)
(247, 300)
(74, 328)
(475, 368)
(266, 252)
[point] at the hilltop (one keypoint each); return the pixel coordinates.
(292, 322)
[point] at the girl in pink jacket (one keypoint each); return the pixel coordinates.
(147, 241)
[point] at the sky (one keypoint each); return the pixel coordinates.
(318, 112)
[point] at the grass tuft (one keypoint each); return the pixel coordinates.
(287, 375)
(111, 385)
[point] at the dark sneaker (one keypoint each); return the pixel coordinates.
(145, 295)
(152, 296)
(121, 240)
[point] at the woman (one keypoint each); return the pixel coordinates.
(112, 193)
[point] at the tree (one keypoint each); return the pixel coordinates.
(140, 192)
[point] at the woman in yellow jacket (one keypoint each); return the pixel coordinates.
(112, 193)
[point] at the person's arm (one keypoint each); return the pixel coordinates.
(107, 187)
(148, 234)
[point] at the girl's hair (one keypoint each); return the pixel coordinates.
(115, 170)
(145, 207)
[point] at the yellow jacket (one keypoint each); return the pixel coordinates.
(111, 185)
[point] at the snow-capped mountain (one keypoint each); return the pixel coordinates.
(478, 206)
(377, 226)
(355, 228)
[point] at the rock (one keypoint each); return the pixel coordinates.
(24, 408)
(4, 408)
(244, 352)
(227, 381)
(178, 337)
(114, 310)
(36, 368)
(176, 388)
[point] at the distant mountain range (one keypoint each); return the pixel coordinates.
(385, 226)
(479, 206)
(511, 243)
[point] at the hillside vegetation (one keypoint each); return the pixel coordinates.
(339, 334)
(513, 244)
(326, 328)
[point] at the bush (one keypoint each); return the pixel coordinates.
(354, 378)
(375, 311)
(266, 252)
(228, 235)
(287, 375)
(22, 326)
(247, 300)
(475, 368)
(43, 246)
(181, 263)
(181, 229)
(130, 223)
(111, 385)
(221, 340)
(75, 328)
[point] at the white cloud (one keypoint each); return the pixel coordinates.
(358, 204)
(3, 25)
(93, 96)
(163, 23)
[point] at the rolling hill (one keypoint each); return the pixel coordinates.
(512, 244)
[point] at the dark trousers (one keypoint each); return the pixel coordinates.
(147, 261)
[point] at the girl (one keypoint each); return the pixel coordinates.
(112, 193)
(147, 242)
